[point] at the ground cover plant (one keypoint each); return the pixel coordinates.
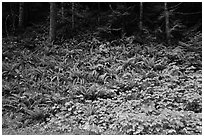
(88, 85)
(110, 89)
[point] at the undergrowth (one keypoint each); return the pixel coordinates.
(88, 86)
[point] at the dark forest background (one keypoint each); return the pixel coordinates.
(119, 18)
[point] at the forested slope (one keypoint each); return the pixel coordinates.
(117, 87)
(101, 80)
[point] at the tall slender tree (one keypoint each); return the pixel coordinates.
(52, 33)
(99, 9)
(62, 10)
(167, 29)
(141, 16)
(73, 15)
(21, 14)
(13, 16)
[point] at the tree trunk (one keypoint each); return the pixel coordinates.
(13, 16)
(21, 15)
(141, 16)
(72, 15)
(52, 33)
(166, 13)
(27, 11)
(99, 9)
(62, 10)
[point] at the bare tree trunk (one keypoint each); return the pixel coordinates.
(141, 16)
(26, 14)
(52, 33)
(166, 12)
(6, 29)
(13, 16)
(72, 15)
(21, 13)
(62, 9)
(99, 9)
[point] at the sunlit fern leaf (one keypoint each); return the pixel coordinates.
(35, 71)
(98, 66)
(14, 97)
(170, 70)
(94, 87)
(174, 70)
(159, 67)
(6, 89)
(149, 62)
(9, 107)
(76, 74)
(119, 69)
(104, 77)
(6, 101)
(35, 114)
(128, 63)
(23, 105)
(178, 51)
(127, 75)
(88, 65)
(90, 110)
(82, 81)
(6, 66)
(82, 90)
(151, 50)
(10, 104)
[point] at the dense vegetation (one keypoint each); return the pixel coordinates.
(102, 81)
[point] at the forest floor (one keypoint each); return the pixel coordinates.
(90, 86)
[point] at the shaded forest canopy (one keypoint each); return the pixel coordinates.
(87, 15)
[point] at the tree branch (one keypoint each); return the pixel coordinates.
(187, 13)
